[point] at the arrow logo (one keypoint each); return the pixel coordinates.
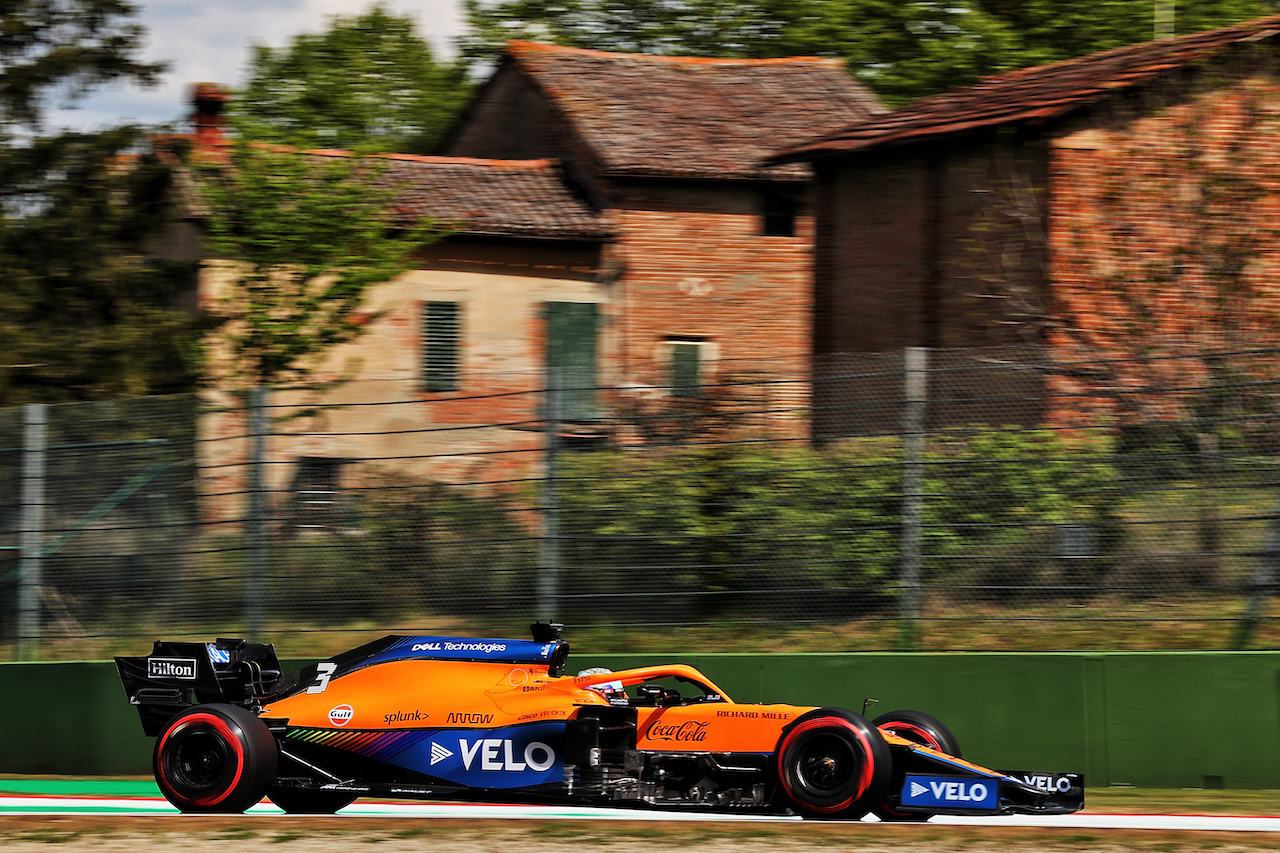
(916, 788)
(439, 753)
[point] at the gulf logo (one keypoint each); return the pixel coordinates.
(340, 715)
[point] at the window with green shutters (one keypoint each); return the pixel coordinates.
(440, 345)
(686, 369)
(571, 329)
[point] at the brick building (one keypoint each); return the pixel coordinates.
(612, 221)
(1097, 208)
(710, 269)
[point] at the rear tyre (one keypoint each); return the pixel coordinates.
(833, 764)
(308, 801)
(214, 759)
(920, 728)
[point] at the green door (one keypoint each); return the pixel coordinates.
(571, 352)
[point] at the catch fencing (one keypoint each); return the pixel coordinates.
(945, 499)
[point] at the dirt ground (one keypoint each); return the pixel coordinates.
(259, 834)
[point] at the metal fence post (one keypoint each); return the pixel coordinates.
(1262, 585)
(915, 393)
(549, 546)
(35, 418)
(259, 429)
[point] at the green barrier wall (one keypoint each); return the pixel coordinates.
(1151, 719)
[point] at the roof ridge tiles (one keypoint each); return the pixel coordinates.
(1032, 94)
(519, 48)
(440, 160)
(436, 159)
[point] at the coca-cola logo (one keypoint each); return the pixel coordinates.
(690, 731)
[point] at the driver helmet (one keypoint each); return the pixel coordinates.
(611, 690)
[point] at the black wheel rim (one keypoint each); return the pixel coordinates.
(827, 765)
(199, 761)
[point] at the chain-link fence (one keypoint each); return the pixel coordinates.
(967, 499)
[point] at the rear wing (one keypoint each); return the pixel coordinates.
(177, 675)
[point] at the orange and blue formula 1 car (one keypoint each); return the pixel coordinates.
(498, 720)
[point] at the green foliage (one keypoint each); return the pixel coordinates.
(407, 549)
(368, 83)
(64, 48)
(992, 486)
(1002, 505)
(84, 314)
(304, 238)
(731, 526)
(903, 49)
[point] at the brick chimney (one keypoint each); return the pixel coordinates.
(207, 101)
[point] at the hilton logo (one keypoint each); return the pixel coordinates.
(184, 668)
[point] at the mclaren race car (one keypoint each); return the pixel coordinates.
(499, 720)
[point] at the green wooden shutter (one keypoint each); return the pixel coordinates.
(686, 369)
(571, 350)
(440, 346)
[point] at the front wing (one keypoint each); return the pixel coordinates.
(927, 781)
(1062, 793)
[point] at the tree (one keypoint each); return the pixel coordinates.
(903, 49)
(369, 82)
(299, 239)
(84, 312)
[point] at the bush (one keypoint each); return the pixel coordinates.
(1002, 505)
(785, 530)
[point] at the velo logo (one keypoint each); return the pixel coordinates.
(950, 792)
(501, 754)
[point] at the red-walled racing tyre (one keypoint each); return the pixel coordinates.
(306, 801)
(833, 763)
(920, 728)
(215, 759)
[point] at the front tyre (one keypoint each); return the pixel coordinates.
(310, 801)
(920, 728)
(214, 759)
(833, 763)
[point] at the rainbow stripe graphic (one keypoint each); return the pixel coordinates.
(381, 746)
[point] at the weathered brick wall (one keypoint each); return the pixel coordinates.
(697, 267)
(1164, 240)
(1158, 202)
(1149, 227)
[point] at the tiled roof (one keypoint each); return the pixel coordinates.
(513, 198)
(690, 117)
(519, 198)
(1031, 94)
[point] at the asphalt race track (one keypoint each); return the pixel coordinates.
(135, 805)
